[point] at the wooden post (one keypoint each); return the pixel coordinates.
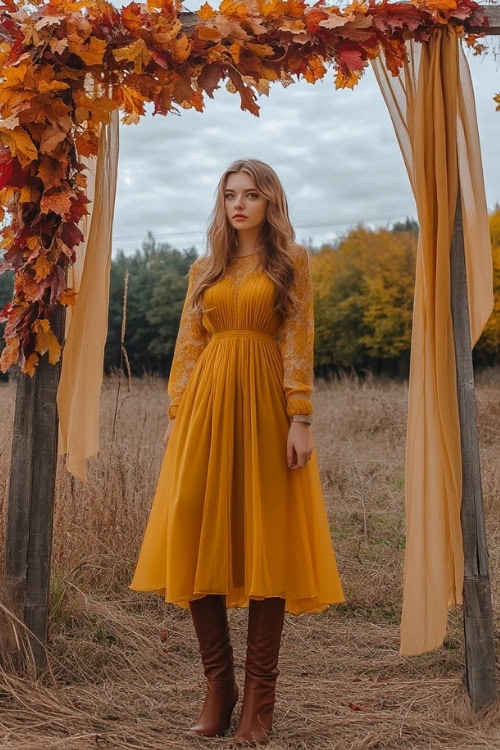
(478, 624)
(28, 545)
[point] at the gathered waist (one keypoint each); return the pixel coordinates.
(245, 332)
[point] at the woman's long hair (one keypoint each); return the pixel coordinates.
(276, 241)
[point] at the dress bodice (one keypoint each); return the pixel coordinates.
(243, 300)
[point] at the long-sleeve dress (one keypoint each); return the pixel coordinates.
(228, 515)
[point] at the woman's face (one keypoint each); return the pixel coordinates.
(241, 197)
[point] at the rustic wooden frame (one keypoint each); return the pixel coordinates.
(32, 485)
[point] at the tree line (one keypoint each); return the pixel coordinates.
(363, 300)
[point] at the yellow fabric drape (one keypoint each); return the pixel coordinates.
(87, 321)
(431, 103)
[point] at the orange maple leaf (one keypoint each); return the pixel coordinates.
(42, 267)
(46, 341)
(50, 172)
(92, 53)
(130, 99)
(59, 203)
(131, 17)
(261, 50)
(68, 297)
(207, 33)
(86, 144)
(343, 81)
(30, 364)
(206, 11)
(51, 138)
(234, 50)
(295, 8)
(181, 48)
(10, 354)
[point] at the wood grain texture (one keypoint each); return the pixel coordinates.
(28, 543)
(478, 624)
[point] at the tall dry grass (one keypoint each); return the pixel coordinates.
(124, 667)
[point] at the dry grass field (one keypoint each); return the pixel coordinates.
(124, 667)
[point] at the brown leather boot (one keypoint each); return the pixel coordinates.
(212, 630)
(265, 625)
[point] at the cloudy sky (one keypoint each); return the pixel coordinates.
(334, 151)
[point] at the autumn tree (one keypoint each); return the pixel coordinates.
(364, 288)
(487, 348)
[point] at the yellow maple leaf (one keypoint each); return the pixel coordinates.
(42, 267)
(10, 354)
(13, 75)
(7, 195)
(25, 194)
(45, 86)
(20, 144)
(497, 100)
(231, 8)
(273, 6)
(137, 52)
(131, 119)
(342, 81)
(206, 11)
(46, 340)
(32, 241)
(268, 74)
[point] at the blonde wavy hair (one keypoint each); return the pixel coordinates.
(276, 241)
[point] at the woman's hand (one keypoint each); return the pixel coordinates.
(170, 425)
(299, 445)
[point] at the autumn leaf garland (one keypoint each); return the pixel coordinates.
(65, 66)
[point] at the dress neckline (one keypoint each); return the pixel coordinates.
(240, 257)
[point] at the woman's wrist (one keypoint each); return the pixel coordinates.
(304, 418)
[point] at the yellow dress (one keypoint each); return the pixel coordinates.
(228, 516)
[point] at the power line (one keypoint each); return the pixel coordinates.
(297, 226)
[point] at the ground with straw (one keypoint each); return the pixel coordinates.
(124, 668)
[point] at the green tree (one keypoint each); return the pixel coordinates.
(156, 290)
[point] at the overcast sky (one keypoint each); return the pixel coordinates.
(335, 153)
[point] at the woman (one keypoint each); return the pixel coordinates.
(238, 518)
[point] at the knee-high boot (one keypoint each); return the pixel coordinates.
(210, 621)
(265, 625)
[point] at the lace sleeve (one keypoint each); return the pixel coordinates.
(192, 338)
(297, 341)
